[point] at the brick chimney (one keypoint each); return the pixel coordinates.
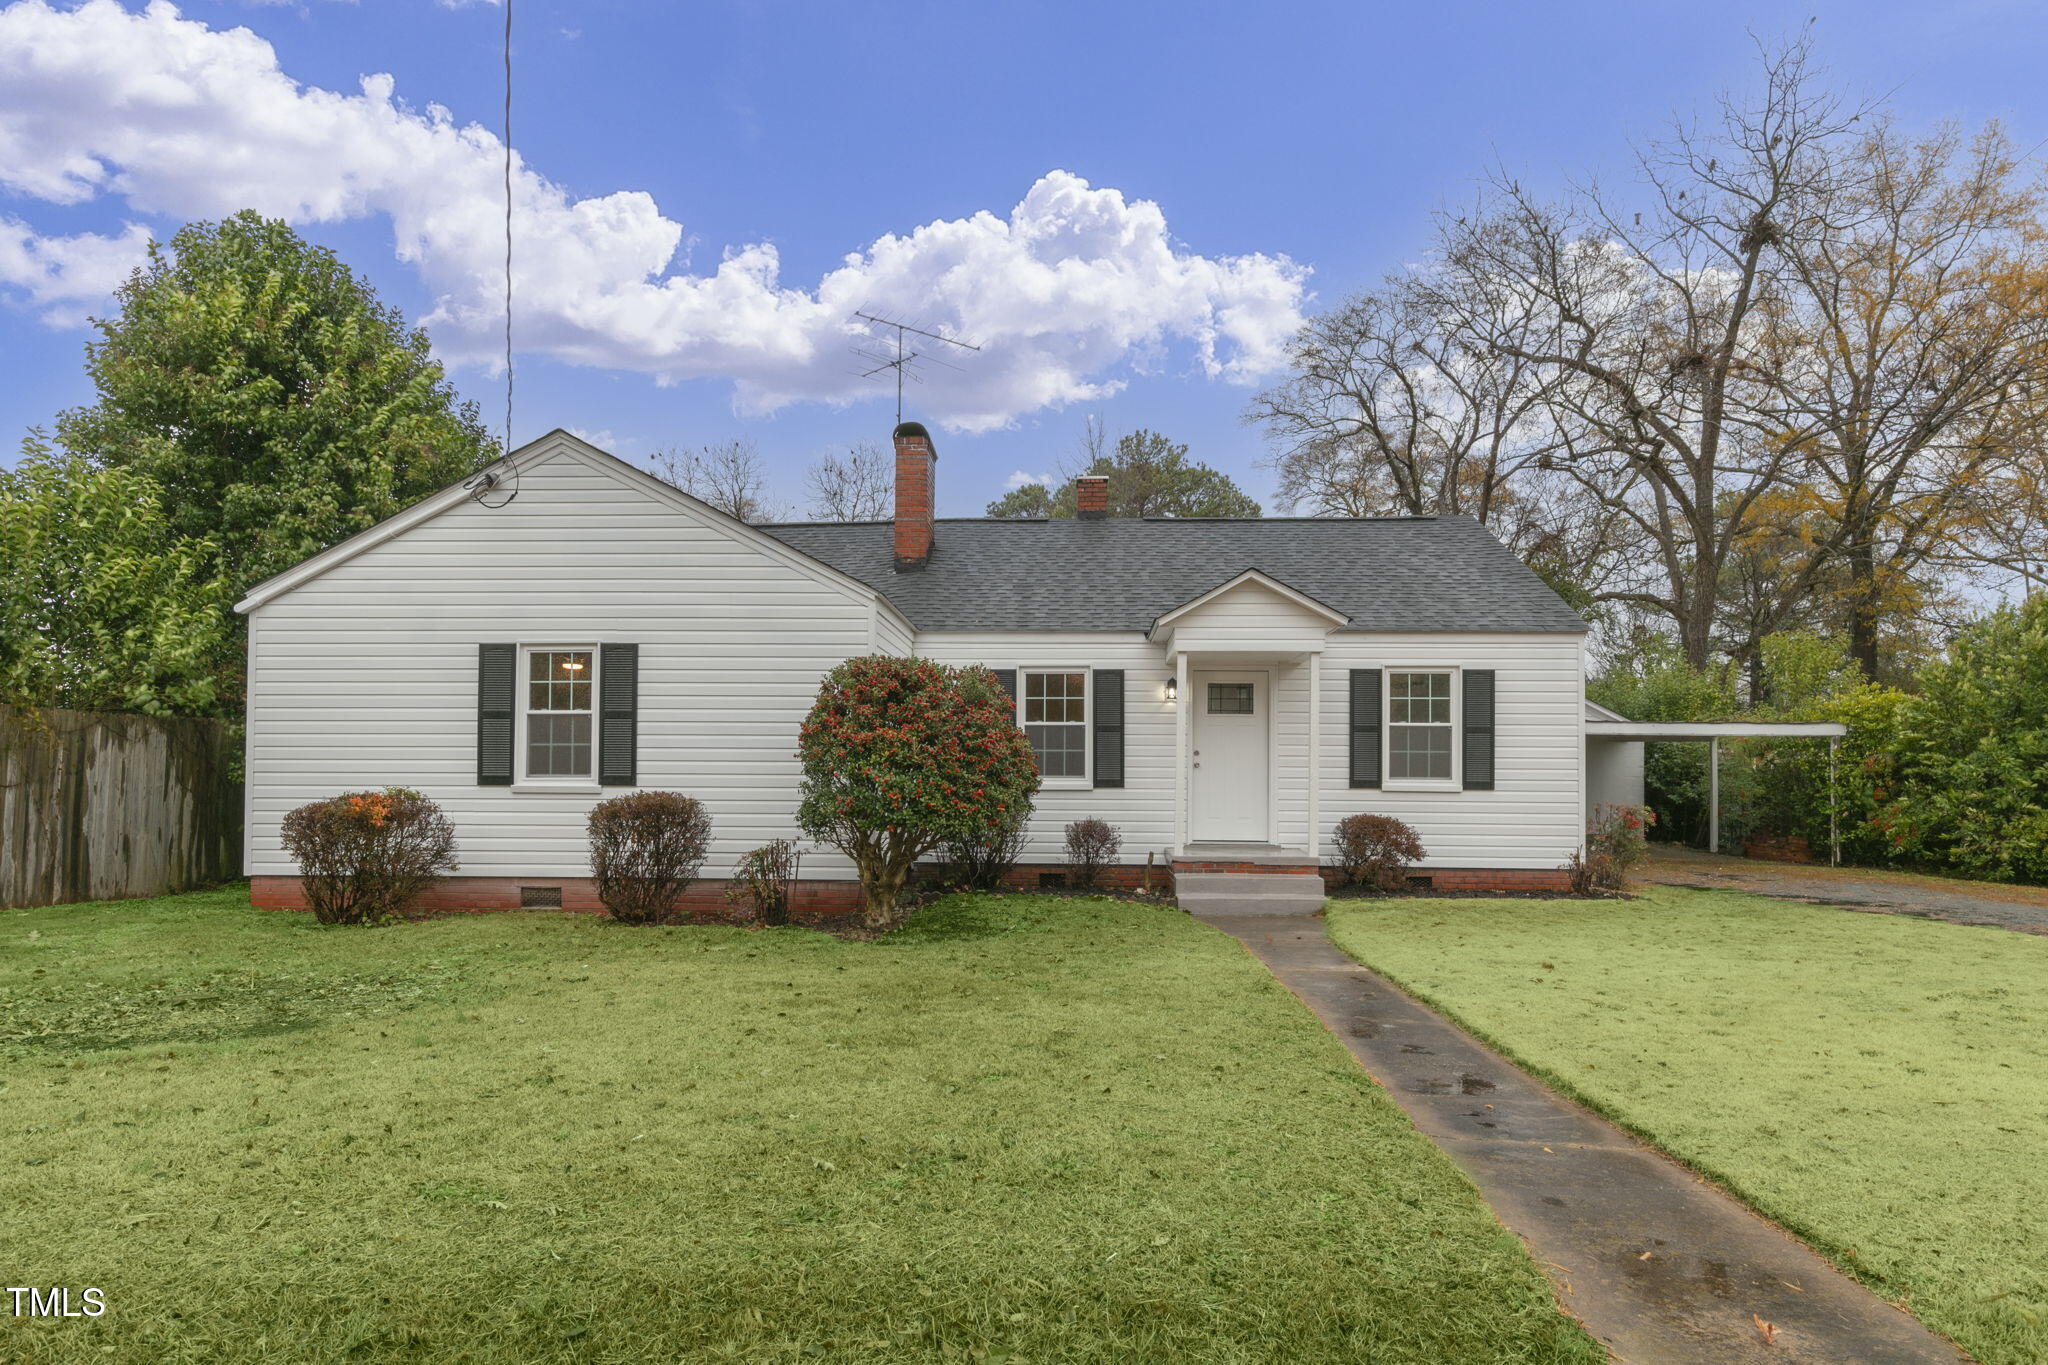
(916, 492)
(1091, 492)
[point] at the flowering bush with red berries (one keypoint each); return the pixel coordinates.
(1617, 837)
(903, 755)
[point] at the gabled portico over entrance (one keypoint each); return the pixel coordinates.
(1247, 658)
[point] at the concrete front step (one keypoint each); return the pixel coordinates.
(1249, 893)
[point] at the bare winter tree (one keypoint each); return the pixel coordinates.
(1392, 409)
(1915, 333)
(727, 475)
(1657, 328)
(1795, 375)
(856, 486)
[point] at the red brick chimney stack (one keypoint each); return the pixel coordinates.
(1092, 496)
(916, 494)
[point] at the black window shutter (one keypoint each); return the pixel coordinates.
(1365, 727)
(618, 735)
(1478, 729)
(1109, 727)
(1007, 677)
(496, 666)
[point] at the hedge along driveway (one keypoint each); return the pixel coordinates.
(1872, 1083)
(1026, 1129)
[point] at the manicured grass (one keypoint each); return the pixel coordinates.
(1874, 1083)
(1021, 1129)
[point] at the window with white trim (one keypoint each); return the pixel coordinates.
(1052, 706)
(1421, 734)
(559, 714)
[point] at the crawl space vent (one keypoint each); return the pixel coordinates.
(540, 898)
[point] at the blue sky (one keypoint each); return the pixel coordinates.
(1003, 157)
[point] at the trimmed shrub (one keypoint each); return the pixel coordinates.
(1617, 837)
(1376, 851)
(1091, 844)
(980, 861)
(645, 850)
(902, 756)
(1592, 874)
(763, 881)
(364, 856)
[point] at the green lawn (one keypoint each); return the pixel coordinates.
(1876, 1084)
(1022, 1130)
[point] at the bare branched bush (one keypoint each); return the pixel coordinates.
(764, 882)
(364, 856)
(1376, 851)
(645, 850)
(1091, 845)
(981, 861)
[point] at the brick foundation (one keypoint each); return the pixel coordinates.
(1778, 848)
(809, 900)
(1520, 881)
(1215, 865)
(818, 900)
(1121, 877)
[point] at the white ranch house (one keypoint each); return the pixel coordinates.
(1223, 691)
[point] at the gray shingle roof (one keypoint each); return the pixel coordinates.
(1411, 573)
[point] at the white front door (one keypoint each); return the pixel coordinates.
(1228, 786)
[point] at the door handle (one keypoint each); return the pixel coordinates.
(1198, 765)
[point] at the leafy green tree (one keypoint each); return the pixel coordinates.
(102, 606)
(1149, 476)
(1791, 786)
(270, 395)
(1973, 752)
(1652, 681)
(901, 756)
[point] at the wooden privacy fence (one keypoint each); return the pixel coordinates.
(95, 805)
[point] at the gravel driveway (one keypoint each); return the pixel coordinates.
(2021, 908)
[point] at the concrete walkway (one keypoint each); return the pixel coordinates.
(2021, 908)
(1659, 1266)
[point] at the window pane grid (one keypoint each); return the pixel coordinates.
(1230, 699)
(559, 721)
(1419, 726)
(1055, 709)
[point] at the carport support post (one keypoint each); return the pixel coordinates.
(1713, 796)
(1834, 805)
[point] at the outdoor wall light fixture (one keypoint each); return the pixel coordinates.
(1173, 689)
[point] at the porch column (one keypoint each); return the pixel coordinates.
(1315, 757)
(1180, 752)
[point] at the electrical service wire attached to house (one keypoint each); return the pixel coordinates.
(490, 480)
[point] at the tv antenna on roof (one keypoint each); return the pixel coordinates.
(901, 358)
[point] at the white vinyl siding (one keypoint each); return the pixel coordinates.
(1534, 816)
(1143, 807)
(366, 675)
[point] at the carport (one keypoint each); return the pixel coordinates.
(1607, 727)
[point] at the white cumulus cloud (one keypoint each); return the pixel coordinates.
(1024, 479)
(1066, 290)
(65, 278)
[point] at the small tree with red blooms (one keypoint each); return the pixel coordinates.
(1617, 837)
(903, 755)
